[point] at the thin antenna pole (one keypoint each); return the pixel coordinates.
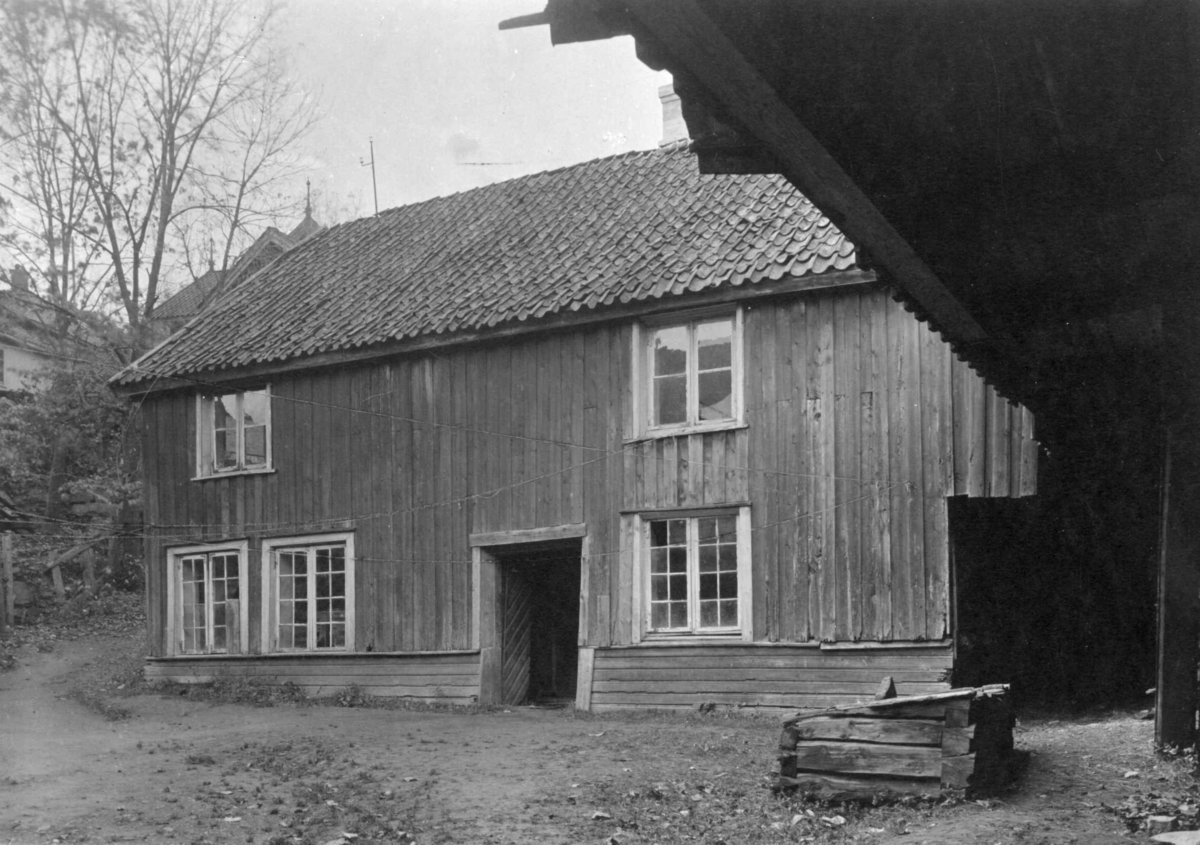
(371, 163)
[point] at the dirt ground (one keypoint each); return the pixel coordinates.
(171, 768)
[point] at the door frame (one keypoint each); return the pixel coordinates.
(487, 596)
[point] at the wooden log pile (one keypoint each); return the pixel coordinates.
(926, 745)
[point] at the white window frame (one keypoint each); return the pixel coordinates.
(639, 533)
(175, 558)
(643, 373)
(270, 591)
(206, 445)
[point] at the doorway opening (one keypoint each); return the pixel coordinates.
(539, 633)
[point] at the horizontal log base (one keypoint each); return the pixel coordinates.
(950, 743)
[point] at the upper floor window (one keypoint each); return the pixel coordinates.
(234, 432)
(692, 374)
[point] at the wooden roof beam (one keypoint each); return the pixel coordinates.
(700, 49)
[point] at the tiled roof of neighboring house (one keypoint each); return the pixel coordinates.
(632, 227)
(191, 299)
(188, 301)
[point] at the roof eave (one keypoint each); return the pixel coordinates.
(559, 320)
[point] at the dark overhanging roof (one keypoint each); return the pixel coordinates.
(1020, 151)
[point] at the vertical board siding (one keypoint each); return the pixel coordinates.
(859, 423)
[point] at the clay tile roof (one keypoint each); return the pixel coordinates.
(190, 299)
(631, 227)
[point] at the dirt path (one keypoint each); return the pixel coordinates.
(181, 770)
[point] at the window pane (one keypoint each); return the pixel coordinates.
(225, 411)
(728, 585)
(225, 454)
(708, 587)
(658, 588)
(678, 531)
(714, 345)
(677, 560)
(709, 617)
(716, 395)
(670, 351)
(727, 529)
(706, 529)
(254, 408)
(658, 616)
(658, 533)
(224, 422)
(670, 400)
(256, 445)
(728, 557)
(678, 615)
(729, 615)
(678, 587)
(708, 558)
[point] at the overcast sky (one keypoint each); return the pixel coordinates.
(452, 102)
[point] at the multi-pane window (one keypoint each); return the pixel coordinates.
(235, 432)
(693, 574)
(206, 602)
(312, 591)
(692, 370)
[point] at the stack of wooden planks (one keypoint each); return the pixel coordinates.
(941, 743)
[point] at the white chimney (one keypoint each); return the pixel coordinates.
(674, 127)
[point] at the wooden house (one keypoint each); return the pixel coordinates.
(620, 431)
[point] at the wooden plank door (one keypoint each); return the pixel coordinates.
(517, 629)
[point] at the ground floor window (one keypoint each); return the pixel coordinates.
(206, 608)
(694, 572)
(309, 593)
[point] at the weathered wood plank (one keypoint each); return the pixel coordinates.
(957, 741)
(858, 681)
(798, 598)
(747, 688)
(935, 447)
(915, 761)
(759, 387)
(956, 772)
(832, 787)
(914, 407)
(977, 427)
(997, 443)
(847, 464)
(886, 731)
(583, 681)
(529, 535)
(881, 662)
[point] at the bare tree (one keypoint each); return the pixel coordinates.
(154, 119)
